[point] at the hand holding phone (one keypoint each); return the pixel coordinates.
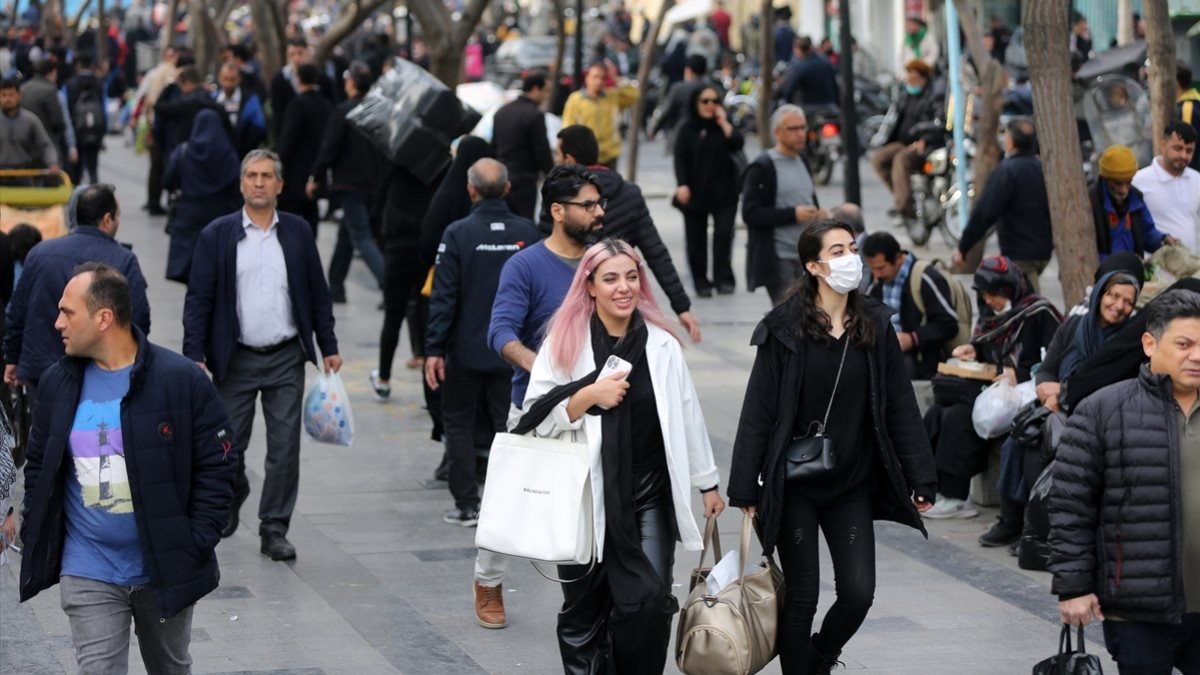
(611, 385)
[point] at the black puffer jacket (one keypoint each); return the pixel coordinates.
(769, 412)
(1115, 505)
(627, 218)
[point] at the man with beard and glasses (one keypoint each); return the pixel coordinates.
(533, 284)
(1172, 188)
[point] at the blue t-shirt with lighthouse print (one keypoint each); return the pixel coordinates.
(102, 540)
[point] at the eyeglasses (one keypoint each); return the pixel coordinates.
(707, 101)
(590, 205)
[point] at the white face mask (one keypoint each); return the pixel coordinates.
(1006, 308)
(845, 273)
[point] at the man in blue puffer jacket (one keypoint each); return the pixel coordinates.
(128, 484)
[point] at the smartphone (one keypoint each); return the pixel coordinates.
(614, 364)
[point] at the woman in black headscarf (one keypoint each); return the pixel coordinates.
(1014, 325)
(708, 185)
(204, 173)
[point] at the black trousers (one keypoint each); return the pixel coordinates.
(1141, 648)
(154, 186)
(595, 639)
(89, 161)
(460, 408)
(695, 229)
(959, 452)
(789, 270)
(402, 274)
(850, 533)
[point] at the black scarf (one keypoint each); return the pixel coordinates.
(632, 580)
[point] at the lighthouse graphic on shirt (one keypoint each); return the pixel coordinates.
(99, 452)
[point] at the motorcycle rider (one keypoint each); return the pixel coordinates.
(811, 81)
(1015, 200)
(904, 142)
(1123, 221)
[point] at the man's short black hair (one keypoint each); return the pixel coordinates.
(1023, 134)
(1185, 131)
(10, 83)
(564, 182)
(95, 202)
(44, 67)
(190, 75)
(185, 59)
(803, 43)
(308, 74)
(109, 289)
(580, 142)
(1172, 305)
(85, 60)
(298, 42)
(878, 243)
(535, 79)
(362, 76)
(240, 52)
(1183, 76)
(21, 239)
(697, 64)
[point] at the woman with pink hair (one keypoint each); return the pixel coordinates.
(649, 446)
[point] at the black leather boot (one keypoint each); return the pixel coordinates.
(822, 664)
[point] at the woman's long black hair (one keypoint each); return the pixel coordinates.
(810, 321)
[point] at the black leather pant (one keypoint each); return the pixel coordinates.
(593, 638)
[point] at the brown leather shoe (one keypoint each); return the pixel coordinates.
(489, 606)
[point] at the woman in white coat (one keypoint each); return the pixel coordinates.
(649, 448)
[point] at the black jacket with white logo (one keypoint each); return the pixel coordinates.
(467, 273)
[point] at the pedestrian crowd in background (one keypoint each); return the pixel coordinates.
(525, 271)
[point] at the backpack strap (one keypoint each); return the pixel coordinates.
(915, 276)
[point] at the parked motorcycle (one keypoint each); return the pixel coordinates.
(823, 147)
(936, 195)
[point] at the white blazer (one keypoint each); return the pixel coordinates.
(685, 436)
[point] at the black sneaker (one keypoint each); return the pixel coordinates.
(704, 292)
(1003, 533)
(464, 517)
(725, 289)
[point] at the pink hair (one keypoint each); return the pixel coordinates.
(571, 323)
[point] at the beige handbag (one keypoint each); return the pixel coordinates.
(735, 631)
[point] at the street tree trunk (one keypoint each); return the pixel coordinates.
(52, 18)
(639, 111)
(101, 37)
(1160, 51)
(1124, 22)
(71, 28)
(345, 26)
(1045, 23)
(560, 51)
(990, 104)
(167, 34)
(270, 27)
(766, 70)
(446, 37)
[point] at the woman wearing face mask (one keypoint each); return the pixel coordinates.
(708, 185)
(884, 468)
(649, 449)
(1015, 325)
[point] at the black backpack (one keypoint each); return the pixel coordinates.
(88, 117)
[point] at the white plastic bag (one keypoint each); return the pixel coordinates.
(998, 404)
(327, 417)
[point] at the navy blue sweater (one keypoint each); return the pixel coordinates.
(1015, 200)
(31, 340)
(210, 322)
(176, 442)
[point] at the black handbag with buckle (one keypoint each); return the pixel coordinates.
(813, 455)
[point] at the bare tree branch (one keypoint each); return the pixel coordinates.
(470, 18)
(639, 111)
(83, 6)
(344, 27)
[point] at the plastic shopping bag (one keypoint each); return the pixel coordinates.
(327, 417)
(996, 407)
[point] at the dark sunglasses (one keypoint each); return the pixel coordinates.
(707, 101)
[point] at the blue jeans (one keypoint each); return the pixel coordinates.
(1141, 648)
(99, 614)
(354, 233)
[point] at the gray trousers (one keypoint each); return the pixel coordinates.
(279, 378)
(99, 614)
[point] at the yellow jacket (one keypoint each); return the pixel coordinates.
(1189, 107)
(601, 115)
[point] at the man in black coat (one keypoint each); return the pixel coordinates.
(285, 86)
(174, 114)
(925, 338)
(673, 110)
(256, 297)
(1124, 544)
(519, 136)
(1015, 200)
(85, 101)
(357, 167)
(811, 80)
(457, 357)
(128, 483)
(299, 143)
(626, 218)
(911, 129)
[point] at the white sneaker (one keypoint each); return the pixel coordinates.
(947, 507)
(383, 391)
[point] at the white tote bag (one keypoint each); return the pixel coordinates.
(537, 501)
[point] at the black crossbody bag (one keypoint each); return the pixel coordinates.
(811, 456)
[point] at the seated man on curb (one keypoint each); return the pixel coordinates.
(926, 318)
